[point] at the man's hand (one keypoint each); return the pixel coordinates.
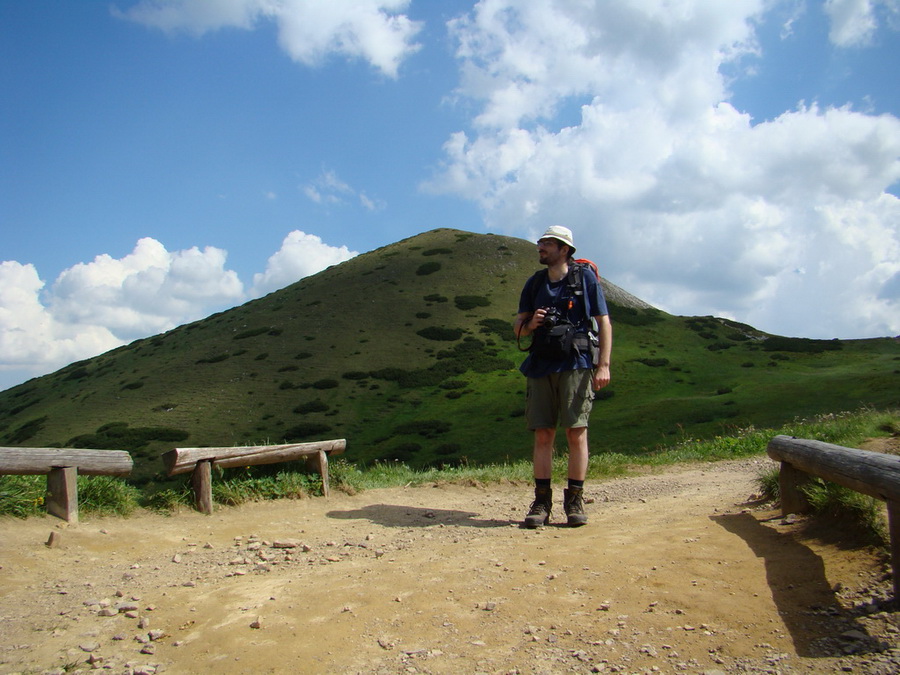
(600, 378)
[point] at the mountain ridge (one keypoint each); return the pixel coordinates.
(408, 352)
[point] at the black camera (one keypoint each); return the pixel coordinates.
(552, 317)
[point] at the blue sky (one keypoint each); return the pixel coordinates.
(163, 160)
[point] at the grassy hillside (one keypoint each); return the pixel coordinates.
(407, 352)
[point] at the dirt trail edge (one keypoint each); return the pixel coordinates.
(676, 572)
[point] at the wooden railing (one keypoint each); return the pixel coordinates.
(871, 473)
(200, 461)
(62, 466)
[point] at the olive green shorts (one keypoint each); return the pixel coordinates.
(559, 400)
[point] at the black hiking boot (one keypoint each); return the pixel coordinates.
(573, 504)
(539, 513)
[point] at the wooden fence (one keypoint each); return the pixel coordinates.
(871, 473)
(201, 460)
(62, 466)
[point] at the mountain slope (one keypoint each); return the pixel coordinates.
(407, 352)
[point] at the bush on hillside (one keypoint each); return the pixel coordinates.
(23, 432)
(316, 405)
(120, 436)
(440, 334)
(217, 358)
(425, 428)
(304, 431)
(467, 302)
(428, 268)
(653, 363)
(800, 345)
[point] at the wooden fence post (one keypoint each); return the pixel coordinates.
(62, 493)
(790, 487)
(320, 460)
(201, 481)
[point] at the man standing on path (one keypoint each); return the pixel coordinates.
(566, 364)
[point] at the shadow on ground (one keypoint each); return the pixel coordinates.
(796, 577)
(392, 515)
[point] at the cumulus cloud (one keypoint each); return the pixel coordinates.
(147, 291)
(308, 30)
(679, 196)
(99, 305)
(96, 306)
(31, 338)
(300, 255)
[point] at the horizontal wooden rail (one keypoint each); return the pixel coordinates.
(871, 473)
(35, 461)
(62, 466)
(201, 460)
(182, 460)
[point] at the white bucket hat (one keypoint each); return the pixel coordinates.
(563, 234)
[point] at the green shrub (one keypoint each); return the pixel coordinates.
(499, 327)
(318, 405)
(218, 358)
(426, 428)
(23, 432)
(326, 383)
(304, 431)
(438, 251)
(119, 436)
(428, 268)
(440, 334)
(800, 345)
(467, 302)
(435, 297)
(653, 363)
(253, 332)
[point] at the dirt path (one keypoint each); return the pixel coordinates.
(675, 573)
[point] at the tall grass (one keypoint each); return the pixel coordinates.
(23, 496)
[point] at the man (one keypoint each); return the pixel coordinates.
(561, 379)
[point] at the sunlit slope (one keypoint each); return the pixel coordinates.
(407, 352)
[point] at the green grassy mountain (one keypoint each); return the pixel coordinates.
(407, 352)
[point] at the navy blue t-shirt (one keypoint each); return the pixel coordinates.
(557, 294)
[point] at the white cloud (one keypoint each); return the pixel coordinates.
(852, 21)
(308, 30)
(147, 291)
(96, 306)
(855, 22)
(329, 189)
(31, 338)
(300, 255)
(678, 196)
